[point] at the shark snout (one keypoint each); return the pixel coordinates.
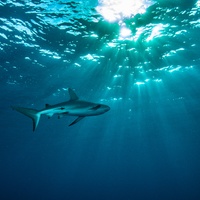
(106, 108)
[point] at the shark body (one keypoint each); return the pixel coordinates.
(73, 107)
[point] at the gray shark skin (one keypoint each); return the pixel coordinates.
(73, 107)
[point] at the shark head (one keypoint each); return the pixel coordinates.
(103, 108)
(99, 109)
(107, 108)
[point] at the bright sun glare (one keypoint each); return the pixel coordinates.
(125, 32)
(116, 10)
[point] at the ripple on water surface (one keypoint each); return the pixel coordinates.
(132, 43)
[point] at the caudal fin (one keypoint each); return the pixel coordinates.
(33, 114)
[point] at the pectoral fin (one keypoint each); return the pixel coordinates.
(76, 120)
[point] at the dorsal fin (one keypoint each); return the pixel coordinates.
(72, 94)
(47, 105)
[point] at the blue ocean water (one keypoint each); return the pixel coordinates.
(139, 57)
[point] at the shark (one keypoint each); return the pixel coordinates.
(72, 107)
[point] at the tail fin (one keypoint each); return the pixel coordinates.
(33, 114)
